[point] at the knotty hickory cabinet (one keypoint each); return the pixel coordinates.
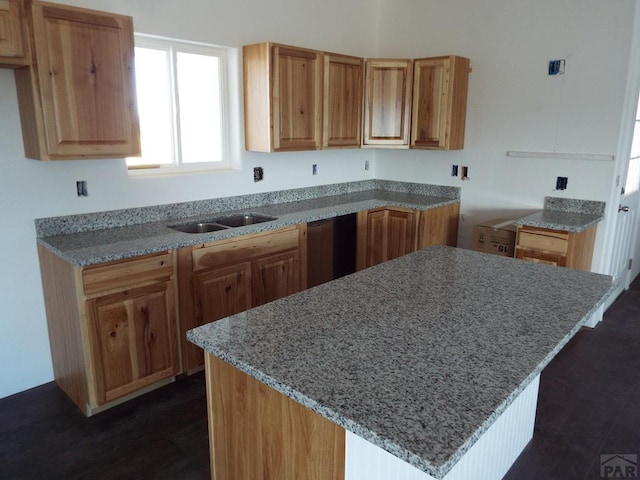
(222, 278)
(12, 36)
(389, 232)
(74, 78)
(118, 329)
(556, 247)
(112, 326)
(302, 99)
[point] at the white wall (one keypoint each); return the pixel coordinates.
(513, 105)
(31, 189)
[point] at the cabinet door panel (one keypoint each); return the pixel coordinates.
(387, 102)
(85, 62)
(223, 292)
(218, 293)
(537, 256)
(377, 238)
(429, 107)
(133, 337)
(12, 50)
(342, 112)
(401, 234)
(275, 277)
(296, 99)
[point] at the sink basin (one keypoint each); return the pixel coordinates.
(202, 227)
(223, 223)
(244, 219)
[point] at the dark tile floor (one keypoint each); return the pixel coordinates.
(589, 401)
(589, 405)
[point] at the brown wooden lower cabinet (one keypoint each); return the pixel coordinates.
(389, 232)
(223, 278)
(556, 247)
(112, 327)
(257, 432)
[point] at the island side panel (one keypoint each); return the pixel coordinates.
(257, 432)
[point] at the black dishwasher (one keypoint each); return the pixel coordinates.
(331, 249)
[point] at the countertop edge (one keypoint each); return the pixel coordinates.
(371, 436)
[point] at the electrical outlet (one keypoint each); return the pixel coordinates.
(258, 174)
(454, 170)
(81, 188)
(561, 183)
(366, 164)
(556, 67)
(314, 169)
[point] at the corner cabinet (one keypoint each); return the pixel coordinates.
(77, 98)
(230, 276)
(342, 101)
(283, 98)
(439, 102)
(556, 247)
(12, 38)
(112, 327)
(387, 103)
(390, 232)
(384, 234)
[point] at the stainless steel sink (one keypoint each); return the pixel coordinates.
(201, 227)
(223, 223)
(244, 219)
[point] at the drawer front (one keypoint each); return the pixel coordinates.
(244, 248)
(548, 242)
(125, 274)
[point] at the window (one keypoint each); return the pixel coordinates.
(182, 104)
(633, 173)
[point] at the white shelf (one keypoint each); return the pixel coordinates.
(599, 157)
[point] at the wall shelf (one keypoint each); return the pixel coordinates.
(600, 157)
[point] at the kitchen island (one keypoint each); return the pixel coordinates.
(412, 363)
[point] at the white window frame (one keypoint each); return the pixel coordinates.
(172, 46)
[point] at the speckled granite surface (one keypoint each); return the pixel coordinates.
(418, 355)
(123, 233)
(565, 214)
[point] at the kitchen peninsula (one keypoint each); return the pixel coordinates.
(426, 367)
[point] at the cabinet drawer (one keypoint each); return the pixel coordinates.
(548, 241)
(127, 273)
(244, 248)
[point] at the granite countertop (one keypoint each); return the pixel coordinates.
(129, 233)
(418, 355)
(565, 214)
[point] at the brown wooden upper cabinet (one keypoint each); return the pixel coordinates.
(77, 98)
(12, 44)
(283, 98)
(387, 103)
(342, 101)
(439, 102)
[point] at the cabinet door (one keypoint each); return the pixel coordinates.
(439, 102)
(342, 109)
(275, 276)
(12, 51)
(218, 293)
(297, 105)
(133, 339)
(401, 231)
(387, 102)
(384, 234)
(82, 103)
